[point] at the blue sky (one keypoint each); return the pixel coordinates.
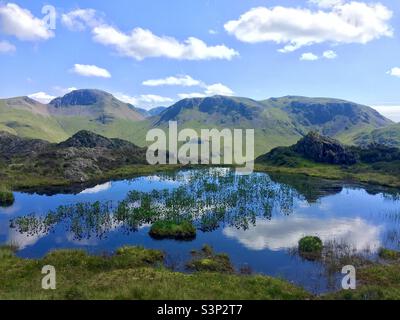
(252, 48)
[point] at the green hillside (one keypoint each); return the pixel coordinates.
(27, 118)
(92, 110)
(389, 136)
(277, 121)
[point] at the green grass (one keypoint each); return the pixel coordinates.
(388, 254)
(180, 230)
(133, 131)
(132, 273)
(206, 260)
(356, 173)
(310, 244)
(20, 178)
(376, 282)
(138, 273)
(24, 123)
(6, 197)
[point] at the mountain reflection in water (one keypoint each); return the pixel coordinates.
(256, 219)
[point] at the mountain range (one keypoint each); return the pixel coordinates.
(277, 121)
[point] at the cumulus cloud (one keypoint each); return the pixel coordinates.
(188, 81)
(308, 57)
(283, 234)
(326, 3)
(21, 23)
(42, 97)
(191, 95)
(209, 90)
(146, 101)
(24, 240)
(329, 54)
(218, 89)
(80, 19)
(90, 71)
(63, 91)
(99, 188)
(184, 81)
(7, 47)
(394, 72)
(153, 98)
(141, 43)
(339, 23)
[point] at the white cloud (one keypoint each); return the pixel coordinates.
(191, 95)
(63, 91)
(99, 188)
(212, 31)
(283, 234)
(141, 43)
(391, 112)
(188, 81)
(20, 22)
(330, 54)
(153, 98)
(126, 98)
(184, 81)
(7, 47)
(210, 90)
(24, 240)
(326, 3)
(91, 71)
(352, 22)
(218, 89)
(394, 72)
(146, 101)
(42, 97)
(80, 19)
(308, 57)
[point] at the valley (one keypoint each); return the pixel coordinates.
(74, 172)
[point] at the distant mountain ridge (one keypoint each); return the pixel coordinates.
(389, 136)
(277, 121)
(96, 104)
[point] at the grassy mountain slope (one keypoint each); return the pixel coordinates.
(332, 117)
(25, 117)
(277, 121)
(92, 110)
(389, 136)
(94, 104)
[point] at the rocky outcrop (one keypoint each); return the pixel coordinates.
(13, 146)
(82, 157)
(88, 139)
(324, 149)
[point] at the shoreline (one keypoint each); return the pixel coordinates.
(138, 273)
(321, 171)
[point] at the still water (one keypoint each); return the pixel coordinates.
(257, 220)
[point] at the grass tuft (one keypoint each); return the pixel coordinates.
(168, 229)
